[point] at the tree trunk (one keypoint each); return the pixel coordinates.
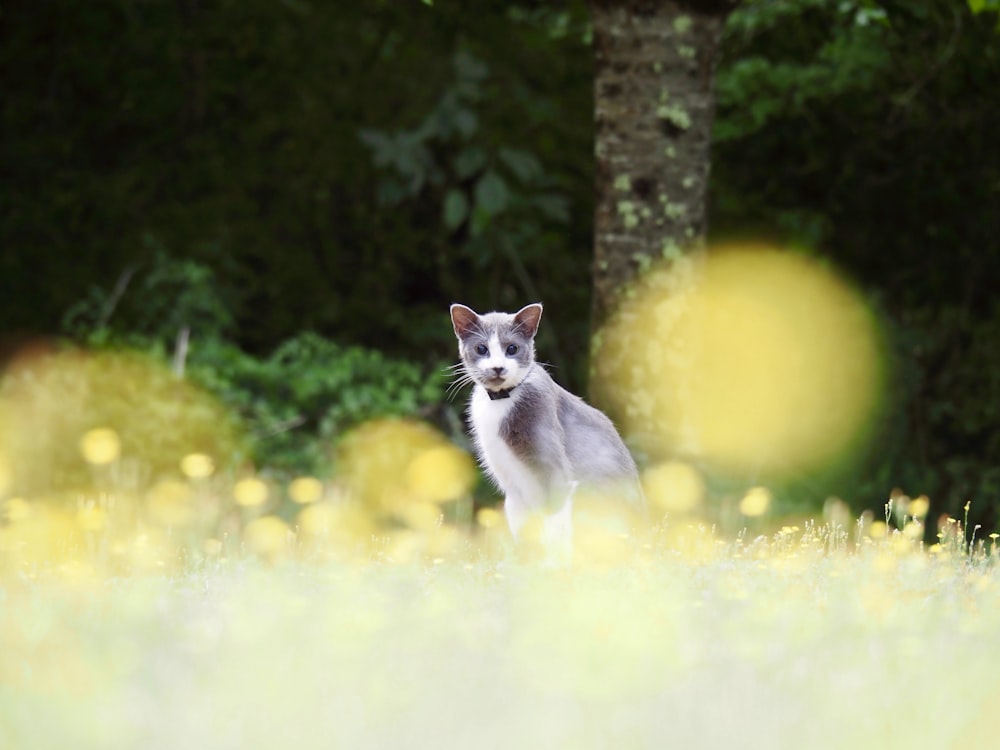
(654, 104)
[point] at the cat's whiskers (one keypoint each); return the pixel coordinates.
(463, 379)
(457, 386)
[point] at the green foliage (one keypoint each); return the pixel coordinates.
(300, 399)
(984, 6)
(152, 303)
(292, 404)
(349, 168)
(503, 213)
(490, 156)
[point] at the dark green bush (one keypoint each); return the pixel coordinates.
(297, 401)
(292, 403)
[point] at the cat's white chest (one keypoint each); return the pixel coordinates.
(519, 484)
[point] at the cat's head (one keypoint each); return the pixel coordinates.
(496, 348)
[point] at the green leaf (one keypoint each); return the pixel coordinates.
(523, 164)
(469, 161)
(491, 193)
(465, 122)
(555, 207)
(391, 192)
(456, 208)
(470, 67)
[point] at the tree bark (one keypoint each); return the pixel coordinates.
(654, 105)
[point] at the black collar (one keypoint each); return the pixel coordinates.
(502, 393)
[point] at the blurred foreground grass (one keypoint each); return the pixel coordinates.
(810, 638)
(159, 591)
(194, 606)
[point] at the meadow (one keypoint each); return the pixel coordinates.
(810, 637)
(161, 591)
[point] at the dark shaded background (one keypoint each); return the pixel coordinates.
(256, 169)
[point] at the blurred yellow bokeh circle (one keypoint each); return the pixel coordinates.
(755, 502)
(100, 446)
(305, 490)
(197, 465)
(441, 473)
(421, 515)
(919, 506)
(754, 360)
(267, 536)
(318, 520)
(673, 487)
(490, 518)
(389, 465)
(250, 492)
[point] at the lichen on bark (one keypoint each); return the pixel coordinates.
(654, 69)
(654, 106)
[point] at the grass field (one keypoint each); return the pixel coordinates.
(809, 638)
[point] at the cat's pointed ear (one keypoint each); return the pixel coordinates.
(526, 319)
(464, 319)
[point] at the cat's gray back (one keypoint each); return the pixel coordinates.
(592, 443)
(546, 412)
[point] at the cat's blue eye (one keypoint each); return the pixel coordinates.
(482, 350)
(512, 350)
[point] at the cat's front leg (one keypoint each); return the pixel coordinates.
(557, 525)
(556, 512)
(557, 530)
(517, 512)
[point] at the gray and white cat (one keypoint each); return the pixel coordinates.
(537, 441)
